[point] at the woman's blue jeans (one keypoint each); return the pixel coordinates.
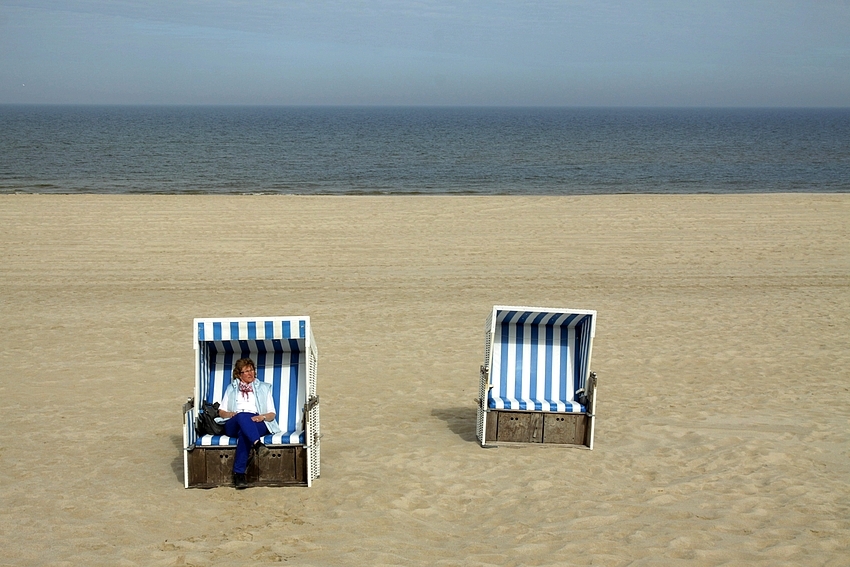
(247, 433)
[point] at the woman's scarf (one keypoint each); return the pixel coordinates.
(245, 388)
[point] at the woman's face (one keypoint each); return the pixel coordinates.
(248, 374)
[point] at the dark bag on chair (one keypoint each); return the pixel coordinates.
(207, 425)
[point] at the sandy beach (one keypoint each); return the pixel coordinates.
(722, 352)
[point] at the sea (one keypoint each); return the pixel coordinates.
(421, 150)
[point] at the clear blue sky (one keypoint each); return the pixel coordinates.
(406, 52)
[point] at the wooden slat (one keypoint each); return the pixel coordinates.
(300, 464)
(197, 467)
(492, 426)
(582, 432)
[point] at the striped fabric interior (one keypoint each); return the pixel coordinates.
(278, 347)
(539, 360)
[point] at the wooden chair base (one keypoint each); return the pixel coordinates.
(537, 427)
(213, 466)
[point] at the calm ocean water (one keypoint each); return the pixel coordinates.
(318, 150)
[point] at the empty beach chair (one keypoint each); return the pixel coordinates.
(535, 384)
(286, 356)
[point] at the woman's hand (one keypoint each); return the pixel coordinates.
(226, 414)
(259, 418)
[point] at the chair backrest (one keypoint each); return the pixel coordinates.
(283, 351)
(537, 358)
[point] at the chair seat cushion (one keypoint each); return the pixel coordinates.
(224, 440)
(529, 404)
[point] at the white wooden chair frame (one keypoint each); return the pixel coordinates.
(536, 369)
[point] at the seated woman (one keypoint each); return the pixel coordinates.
(248, 407)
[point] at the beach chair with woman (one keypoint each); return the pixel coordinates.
(261, 373)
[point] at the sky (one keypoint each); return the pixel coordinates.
(419, 52)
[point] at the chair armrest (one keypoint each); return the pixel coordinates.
(311, 421)
(189, 434)
(311, 403)
(591, 395)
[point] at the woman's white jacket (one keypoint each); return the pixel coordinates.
(262, 393)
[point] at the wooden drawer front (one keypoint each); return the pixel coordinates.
(278, 465)
(520, 427)
(567, 429)
(219, 466)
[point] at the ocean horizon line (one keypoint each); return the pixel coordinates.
(422, 106)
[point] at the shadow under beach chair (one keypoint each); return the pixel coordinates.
(286, 356)
(536, 385)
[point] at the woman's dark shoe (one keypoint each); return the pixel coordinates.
(240, 481)
(260, 450)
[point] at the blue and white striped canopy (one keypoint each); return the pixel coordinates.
(250, 329)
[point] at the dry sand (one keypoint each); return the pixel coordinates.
(722, 349)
